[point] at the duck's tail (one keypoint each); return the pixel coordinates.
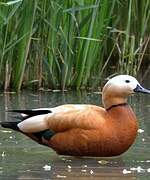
(10, 125)
(21, 116)
(25, 114)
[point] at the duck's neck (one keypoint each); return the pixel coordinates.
(108, 102)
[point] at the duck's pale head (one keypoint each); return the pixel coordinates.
(117, 89)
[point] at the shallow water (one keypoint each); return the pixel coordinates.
(21, 158)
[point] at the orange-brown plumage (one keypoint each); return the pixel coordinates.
(86, 130)
(101, 133)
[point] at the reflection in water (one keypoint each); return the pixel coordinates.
(77, 168)
(22, 158)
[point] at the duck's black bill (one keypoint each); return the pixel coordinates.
(140, 89)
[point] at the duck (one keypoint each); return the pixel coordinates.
(85, 129)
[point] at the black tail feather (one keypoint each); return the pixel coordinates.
(24, 114)
(10, 125)
(32, 112)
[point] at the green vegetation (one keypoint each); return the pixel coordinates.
(71, 43)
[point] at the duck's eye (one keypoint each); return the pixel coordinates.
(127, 81)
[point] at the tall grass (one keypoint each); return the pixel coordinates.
(71, 44)
(133, 40)
(24, 32)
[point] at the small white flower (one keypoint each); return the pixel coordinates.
(103, 162)
(85, 166)
(142, 161)
(140, 131)
(148, 170)
(60, 176)
(125, 171)
(138, 169)
(47, 168)
(3, 154)
(91, 172)
(83, 170)
(6, 131)
(133, 169)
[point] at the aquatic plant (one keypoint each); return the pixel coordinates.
(71, 44)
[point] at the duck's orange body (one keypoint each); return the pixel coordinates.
(86, 130)
(94, 131)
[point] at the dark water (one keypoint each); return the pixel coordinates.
(21, 158)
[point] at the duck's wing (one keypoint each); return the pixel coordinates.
(75, 116)
(60, 118)
(39, 123)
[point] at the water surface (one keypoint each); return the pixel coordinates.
(21, 158)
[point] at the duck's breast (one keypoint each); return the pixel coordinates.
(124, 127)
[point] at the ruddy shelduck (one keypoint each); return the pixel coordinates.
(82, 129)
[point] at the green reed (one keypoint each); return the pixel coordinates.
(71, 44)
(133, 39)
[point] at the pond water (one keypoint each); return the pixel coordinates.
(21, 158)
